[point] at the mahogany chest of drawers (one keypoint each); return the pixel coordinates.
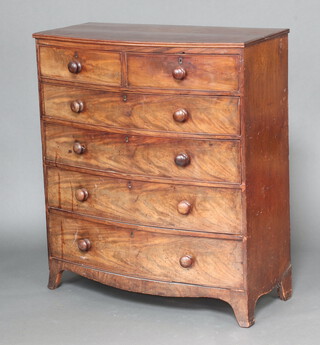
(165, 154)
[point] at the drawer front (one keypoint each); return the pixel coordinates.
(153, 204)
(167, 113)
(146, 254)
(96, 67)
(207, 160)
(202, 72)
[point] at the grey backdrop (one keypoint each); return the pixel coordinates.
(31, 314)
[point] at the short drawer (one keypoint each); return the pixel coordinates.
(88, 66)
(185, 72)
(205, 160)
(153, 204)
(164, 257)
(163, 113)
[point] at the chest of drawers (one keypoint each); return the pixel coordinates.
(165, 154)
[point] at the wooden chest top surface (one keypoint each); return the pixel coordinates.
(167, 34)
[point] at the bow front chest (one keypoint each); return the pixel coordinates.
(165, 154)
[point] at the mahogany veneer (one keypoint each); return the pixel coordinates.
(165, 152)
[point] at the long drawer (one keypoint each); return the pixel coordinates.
(163, 113)
(206, 160)
(164, 257)
(154, 204)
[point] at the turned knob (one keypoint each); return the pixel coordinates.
(182, 160)
(180, 115)
(74, 67)
(84, 245)
(186, 261)
(79, 148)
(81, 194)
(179, 73)
(76, 106)
(184, 207)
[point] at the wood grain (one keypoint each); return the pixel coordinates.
(209, 115)
(97, 67)
(211, 160)
(154, 204)
(285, 285)
(126, 48)
(267, 165)
(129, 177)
(204, 72)
(148, 255)
(172, 35)
(172, 231)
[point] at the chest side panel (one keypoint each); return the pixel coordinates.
(266, 160)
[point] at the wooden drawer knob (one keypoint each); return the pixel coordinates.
(74, 67)
(79, 148)
(182, 160)
(186, 261)
(76, 106)
(179, 73)
(84, 245)
(180, 115)
(184, 207)
(82, 194)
